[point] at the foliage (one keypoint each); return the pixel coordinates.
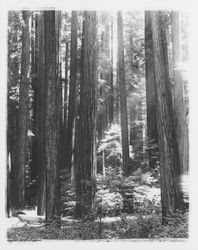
(138, 226)
(111, 147)
(108, 203)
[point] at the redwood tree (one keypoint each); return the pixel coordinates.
(52, 119)
(123, 103)
(178, 91)
(171, 195)
(34, 72)
(87, 124)
(41, 116)
(111, 98)
(150, 89)
(21, 155)
(72, 87)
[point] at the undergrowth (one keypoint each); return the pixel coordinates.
(138, 227)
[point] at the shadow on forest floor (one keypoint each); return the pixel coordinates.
(142, 220)
(111, 228)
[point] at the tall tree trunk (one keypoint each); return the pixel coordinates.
(88, 102)
(12, 132)
(34, 69)
(21, 160)
(72, 87)
(123, 103)
(60, 107)
(103, 121)
(111, 109)
(51, 133)
(41, 117)
(65, 103)
(171, 195)
(66, 85)
(117, 99)
(178, 90)
(150, 89)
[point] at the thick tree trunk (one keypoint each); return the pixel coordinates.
(178, 90)
(12, 132)
(41, 117)
(123, 103)
(88, 102)
(150, 89)
(171, 195)
(12, 122)
(51, 133)
(21, 160)
(72, 92)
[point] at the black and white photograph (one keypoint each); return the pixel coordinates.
(97, 125)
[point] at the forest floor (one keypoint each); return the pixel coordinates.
(131, 210)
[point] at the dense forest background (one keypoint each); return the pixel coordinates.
(97, 124)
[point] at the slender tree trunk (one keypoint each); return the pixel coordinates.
(111, 109)
(103, 164)
(117, 99)
(150, 88)
(66, 85)
(178, 90)
(88, 102)
(51, 133)
(106, 75)
(103, 119)
(123, 103)
(34, 68)
(60, 107)
(72, 92)
(171, 195)
(65, 103)
(41, 117)
(73, 167)
(21, 160)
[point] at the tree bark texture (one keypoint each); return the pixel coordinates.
(150, 88)
(51, 124)
(34, 71)
(65, 103)
(171, 195)
(111, 108)
(88, 102)
(178, 90)
(105, 90)
(72, 87)
(12, 118)
(123, 103)
(21, 160)
(66, 85)
(41, 117)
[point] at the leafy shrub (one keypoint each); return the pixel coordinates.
(150, 226)
(147, 225)
(109, 203)
(111, 147)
